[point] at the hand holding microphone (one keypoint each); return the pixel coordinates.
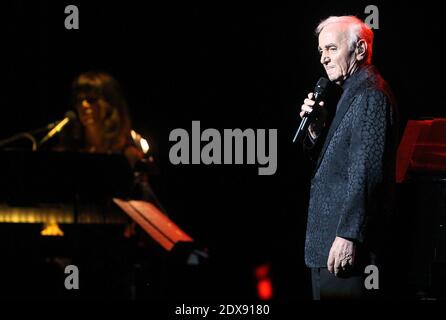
(318, 122)
(312, 112)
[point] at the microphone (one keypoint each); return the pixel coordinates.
(69, 116)
(319, 92)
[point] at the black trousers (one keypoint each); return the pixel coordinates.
(326, 286)
(349, 284)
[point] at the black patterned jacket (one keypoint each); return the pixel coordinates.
(352, 186)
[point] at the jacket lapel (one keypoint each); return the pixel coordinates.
(347, 99)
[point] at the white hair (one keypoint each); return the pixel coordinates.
(357, 30)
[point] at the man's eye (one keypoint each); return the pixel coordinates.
(332, 48)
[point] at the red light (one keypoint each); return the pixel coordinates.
(264, 285)
(262, 271)
(265, 289)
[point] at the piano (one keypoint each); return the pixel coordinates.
(62, 187)
(70, 208)
(57, 209)
(421, 191)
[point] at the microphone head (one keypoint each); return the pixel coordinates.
(321, 85)
(70, 115)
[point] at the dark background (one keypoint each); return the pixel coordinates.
(229, 66)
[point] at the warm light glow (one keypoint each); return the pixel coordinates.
(144, 145)
(51, 229)
(140, 141)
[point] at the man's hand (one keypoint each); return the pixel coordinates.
(306, 108)
(341, 256)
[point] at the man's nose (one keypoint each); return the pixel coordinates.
(325, 58)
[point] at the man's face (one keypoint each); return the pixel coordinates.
(339, 62)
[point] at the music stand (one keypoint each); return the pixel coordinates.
(154, 222)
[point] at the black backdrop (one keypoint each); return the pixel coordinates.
(229, 66)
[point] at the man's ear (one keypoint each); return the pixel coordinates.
(361, 50)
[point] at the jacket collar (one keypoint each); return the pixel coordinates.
(350, 86)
